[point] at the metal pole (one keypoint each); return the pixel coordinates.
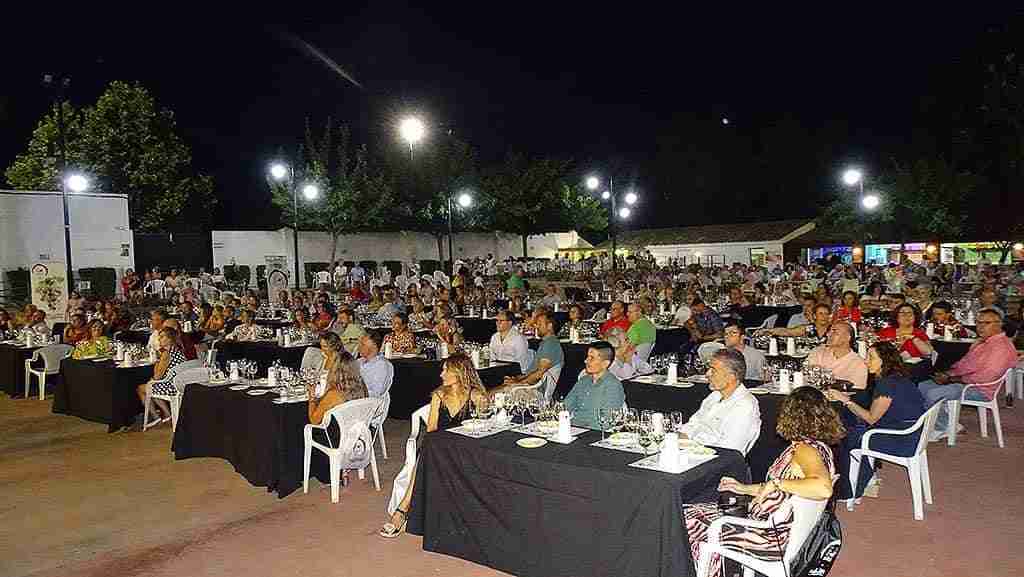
(611, 191)
(62, 167)
(451, 259)
(295, 235)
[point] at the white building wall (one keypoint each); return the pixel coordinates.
(252, 247)
(728, 252)
(32, 230)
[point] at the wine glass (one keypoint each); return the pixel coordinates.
(606, 418)
(644, 438)
(677, 421)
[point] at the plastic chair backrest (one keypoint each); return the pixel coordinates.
(53, 355)
(769, 323)
(419, 415)
(707, 350)
(806, 513)
(644, 351)
(188, 375)
(323, 277)
(312, 358)
(197, 283)
(925, 423)
(550, 381)
(356, 442)
(381, 413)
(528, 360)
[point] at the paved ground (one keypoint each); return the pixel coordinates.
(78, 501)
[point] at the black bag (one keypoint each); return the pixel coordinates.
(821, 549)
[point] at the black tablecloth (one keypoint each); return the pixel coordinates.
(477, 329)
(12, 370)
(264, 353)
(753, 316)
(949, 352)
(558, 510)
(671, 341)
(261, 439)
(137, 337)
(100, 392)
(415, 379)
(274, 323)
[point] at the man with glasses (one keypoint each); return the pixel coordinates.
(507, 344)
(753, 357)
(617, 319)
(986, 361)
(729, 417)
(837, 356)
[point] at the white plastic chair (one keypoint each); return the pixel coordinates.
(173, 400)
(312, 358)
(52, 355)
(377, 421)
(323, 278)
(916, 465)
(953, 408)
(768, 323)
(805, 516)
(225, 294)
(155, 287)
(197, 283)
(644, 351)
(1018, 381)
(354, 447)
(549, 381)
(401, 483)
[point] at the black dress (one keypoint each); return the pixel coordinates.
(445, 420)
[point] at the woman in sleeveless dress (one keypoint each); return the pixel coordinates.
(449, 406)
(805, 469)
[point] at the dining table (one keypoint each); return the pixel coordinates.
(416, 377)
(558, 510)
(12, 369)
(101, 390)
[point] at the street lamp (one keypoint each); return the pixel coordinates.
(412, 131)
(77, 182)
(465, 200)
(594, 183)
(870, 201)
(282, 172)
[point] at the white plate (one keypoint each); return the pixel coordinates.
(694, 448)
(238, 387)
(623, 439)
(258, 392)
(475, 424)
(548, 427)
(532, 442)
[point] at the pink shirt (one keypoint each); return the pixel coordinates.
(986, 361)
(849, 367)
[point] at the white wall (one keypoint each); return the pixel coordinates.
(32, 229)
(732, 252)
(252, 247)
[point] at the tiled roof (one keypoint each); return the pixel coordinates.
(708, 234)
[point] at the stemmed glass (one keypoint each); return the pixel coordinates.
(677, 421)
(606, 418)
(644, 438)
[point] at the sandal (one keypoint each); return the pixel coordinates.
(390, 530)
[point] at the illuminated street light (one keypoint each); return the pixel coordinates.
(852, 176)
(593, 183)
(310, 191)
(278, 171)
(624, 212)
(412, 130)
(77, 183)
(870, 201)
(631, 197)
(465, 200)
(606, 195)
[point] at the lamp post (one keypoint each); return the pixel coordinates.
(413, 130)
(630, 198)
(870, 201)
(77, 183)
(280, 171)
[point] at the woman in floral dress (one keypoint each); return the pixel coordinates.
(805, 469)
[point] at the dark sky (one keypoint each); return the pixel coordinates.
(608, 88)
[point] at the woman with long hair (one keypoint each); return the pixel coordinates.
(804, 469)
(849, 311)
(896, 403)
(344, 383)
(171, 356)
(905, 332)
(449, 406)
(96, 345)
(77, 331)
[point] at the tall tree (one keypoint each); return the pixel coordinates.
(128, 146)
(354, 197)
(530, 194)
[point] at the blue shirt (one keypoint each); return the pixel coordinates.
(549, 349)
(378, 373)
(587, 397)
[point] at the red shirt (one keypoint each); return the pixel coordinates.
(845, 314)
(612, 323)
(357, 294)
(889, 334)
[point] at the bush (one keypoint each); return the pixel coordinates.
(17, 285)
(102, 281)
(394, 266)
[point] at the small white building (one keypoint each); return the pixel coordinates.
(715, 244)
(32, 230)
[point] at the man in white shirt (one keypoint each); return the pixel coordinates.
(551, 298)
(806, 316)
(753, 357)
(729, 417)
(627, 363)
(507, 344)
(157, 317)
(357, 274)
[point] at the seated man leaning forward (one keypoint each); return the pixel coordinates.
(729, 417)
(597, 389)
(549, 353)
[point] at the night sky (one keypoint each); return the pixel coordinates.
(643, 92)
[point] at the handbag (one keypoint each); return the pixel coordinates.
(733, 504)
(821, 548)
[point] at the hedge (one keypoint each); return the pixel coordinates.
(102, 281)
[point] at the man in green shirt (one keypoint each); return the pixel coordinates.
(515, 280)
(549, 353)
(597, 389)
(641, 329)
(349, 331)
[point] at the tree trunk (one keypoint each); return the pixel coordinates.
(1004, 250)
(524, 246)
(440, 249)
(334, 251)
